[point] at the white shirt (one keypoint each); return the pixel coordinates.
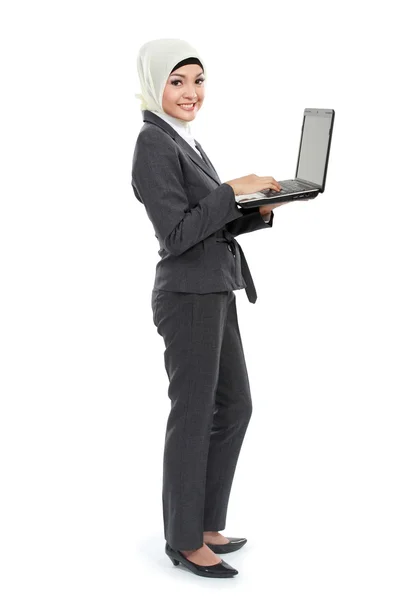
(183, 128)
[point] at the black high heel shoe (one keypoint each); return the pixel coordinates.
(234, 544)
(222, 569)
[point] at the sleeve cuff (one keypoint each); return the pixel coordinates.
(268, 218)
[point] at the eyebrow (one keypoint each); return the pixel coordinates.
(178, 74)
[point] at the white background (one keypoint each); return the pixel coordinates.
(83, 387)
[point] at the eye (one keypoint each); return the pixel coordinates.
(179, 81)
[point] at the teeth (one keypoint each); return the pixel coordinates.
(188, 105)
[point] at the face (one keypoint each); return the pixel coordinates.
(184, 86)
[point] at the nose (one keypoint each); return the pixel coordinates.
(192, 97)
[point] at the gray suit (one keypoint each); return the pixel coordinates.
(191, 211)
(194, 310)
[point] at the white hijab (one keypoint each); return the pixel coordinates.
(155, 61)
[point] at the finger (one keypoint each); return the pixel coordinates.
(274, 185)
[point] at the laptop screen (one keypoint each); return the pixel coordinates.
(314, 146)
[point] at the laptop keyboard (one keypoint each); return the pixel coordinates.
(288, 185)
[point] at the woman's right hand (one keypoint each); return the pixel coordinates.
(252, 183)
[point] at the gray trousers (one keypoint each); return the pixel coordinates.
(210, 410)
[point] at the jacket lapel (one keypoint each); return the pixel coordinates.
(205, 164)
(207, 160)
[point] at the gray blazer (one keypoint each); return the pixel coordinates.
(191, 212)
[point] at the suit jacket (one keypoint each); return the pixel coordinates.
(192, 212)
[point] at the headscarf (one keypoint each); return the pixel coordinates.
(156, 59)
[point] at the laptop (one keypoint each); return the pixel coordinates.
(312, 163)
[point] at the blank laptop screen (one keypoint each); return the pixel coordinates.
(314, 148)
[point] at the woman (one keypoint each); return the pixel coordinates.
(194, 305)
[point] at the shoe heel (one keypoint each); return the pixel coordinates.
(175, 562)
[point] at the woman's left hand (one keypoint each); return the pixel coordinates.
(265, 209)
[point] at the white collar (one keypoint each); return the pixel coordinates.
(182, 127)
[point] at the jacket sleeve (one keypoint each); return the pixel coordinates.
(251, 220)
(158, 182)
